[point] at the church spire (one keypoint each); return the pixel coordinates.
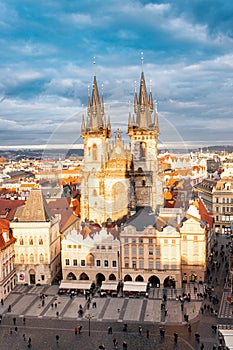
(143, 106)
(95, 108)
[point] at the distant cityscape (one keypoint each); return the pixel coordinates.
(118, 220)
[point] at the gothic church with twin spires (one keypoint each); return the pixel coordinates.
(119, 179)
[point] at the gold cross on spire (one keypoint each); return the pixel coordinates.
(94, 62)
(118, 132)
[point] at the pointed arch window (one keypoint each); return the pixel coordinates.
(143, 149)
(21, 259)
(21, 241)
(31, 259)
(41, 241)
(94, 152)
(30, 241)
(41, 258)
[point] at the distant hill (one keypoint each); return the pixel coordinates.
(227, 148)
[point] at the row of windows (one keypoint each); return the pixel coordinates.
(224, 218)
(7, 269)
(74, 246)
(149, 240)
(31, 260)
(31, 241)
(158, 265)
(98, 263)
(224, 209)
(141, 251)
(224, 200)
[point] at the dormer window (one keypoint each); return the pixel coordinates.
(6, 236)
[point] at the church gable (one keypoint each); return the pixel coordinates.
(36, 208)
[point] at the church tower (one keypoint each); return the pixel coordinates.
(143, 130)
(96, 134)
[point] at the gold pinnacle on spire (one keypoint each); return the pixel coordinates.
(142, 59)
(94, 62)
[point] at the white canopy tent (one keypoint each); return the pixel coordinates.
(74, 284)
(130, 286)
(109, 285)
(228, 337)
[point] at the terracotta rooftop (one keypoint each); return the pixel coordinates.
(8, 208)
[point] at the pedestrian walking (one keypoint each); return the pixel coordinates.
(109, 330)
(57, 313)
(140, 330)
(55, 305)
(2, 302)
(102, 347)
(125, 346)
(24, 320)
(24, 337)
(147, 333)
(29, 342)
(165, 312)
(175, 337)
(14, 320)
(162, 333)
(0, 319)
(197, 337)
(16, 330)
(115, 343)
(189, 328)
(125, 327)
(52, 305)
(57, 338)
(202, 347)
(79, 329)
(76, 331)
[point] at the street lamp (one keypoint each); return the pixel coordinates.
(89, 317)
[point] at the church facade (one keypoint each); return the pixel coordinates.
(118, 179)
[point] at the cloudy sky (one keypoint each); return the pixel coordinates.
(46, 65)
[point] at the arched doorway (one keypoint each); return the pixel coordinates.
(83, 277)
(169, 282)
(112, 277)
(139, 278)
(71, 276)
(32, 276)
(99, 279)
(127, 278)
(193, 277)
(154, 281)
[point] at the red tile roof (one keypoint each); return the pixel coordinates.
(8, 208)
